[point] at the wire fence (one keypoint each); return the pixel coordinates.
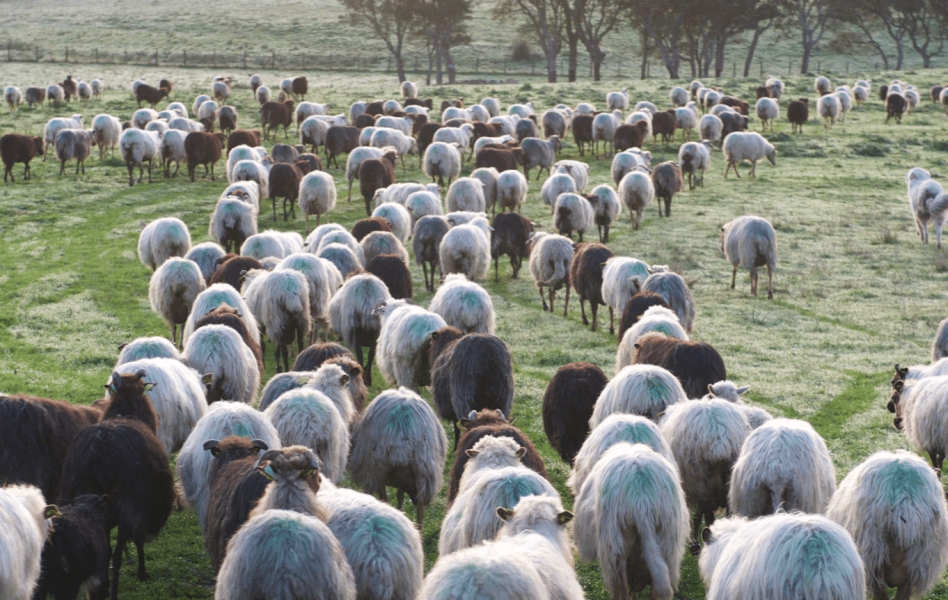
(468, 65)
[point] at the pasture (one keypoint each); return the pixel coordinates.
(855, 289)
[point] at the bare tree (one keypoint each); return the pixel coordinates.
(662, 24)
(927, 22)
(592, 20)
(389, 20)
(543, 18)
(812, 16)
(442, 24)
(765, 16)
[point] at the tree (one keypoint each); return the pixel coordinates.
(661, 24)
(442, 24)
(543, 18)
(592, 20)
(764, 16)
(390, 20)
(812, 16)
(927, 21)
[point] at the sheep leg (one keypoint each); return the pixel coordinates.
(606, 228)
(938, 227)
(542, 297)
(566, 302)
(595, 310)
(383, 495)
(62, 167)
(695, 531)
(727, 168)
(400, 497)
(880, 593)
(753, 172)
(306, 226)
(276, 357)
(770, 283)
(612, 321)
(419, 515)
(274, 208)
(368, 366)
(733, 277)
(668, 202)
(599, 227)
(349, 195)
(496, 267)
(120, 542)
(457, 434)
(424, 267)
(582, 310)
(753, 272)
(140, 546)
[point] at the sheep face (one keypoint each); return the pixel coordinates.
(772, 156)
(290, 465)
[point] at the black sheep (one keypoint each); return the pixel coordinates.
(568, 405)
(502, 159)
(276, 114)
(586, 276)
(363, 121)
(510, 236)
(122, 459)
(696, 364)
(300, 87)
(374, 108)
(798, 113)
(883, 92)
(364, 227)
(231, 269)
(394, 274)
(732, 122)
(484, 423)
(235, 486)
(340, 139)
(313, 357)
(19, 148)
(582, 131)
(35, 434)
(469, 372)
(148, 94)
(664, 124)
(375, 174)
(636, 307)
(668, 181)
(525, 128)
(285, 183)
(77, 551)
(204, 149)
(895, 106)
(425, 137)
(630, 136)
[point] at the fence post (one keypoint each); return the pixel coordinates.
(733, 69)
(761, 67)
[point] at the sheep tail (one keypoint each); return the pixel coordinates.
(655, 563)
(938, 204)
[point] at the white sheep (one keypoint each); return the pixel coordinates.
(207, 110)
(24, 526)
(550, 261)
(679, 96)
(307, 417)
(404, 341)
(442, 161)
(158, 126)
(381, 544)
(486, 574)
(218, 350)
(138, 147)
(555, 122)
(221, 420)
(185, 124)
(917, 412)
(142, 117)
(488, 177)
(55, 94)
(423, 204)
(106, 130)
(465, 249)
(629, 160)
(508, 123)
(287, 553)
(334, 382)
(279, 300)
(178, 394)
(355, 159)
(928, 202)
(320, 285)
(747, 145)
(767, 111)
(338, 235)
(860, 94)
(353, 316)
(265, 244)
(694, 159)
(554, 185)
(539, 153)
(212, 298)
(172, 150)
(463, 304)
(686, 119)
(343, 259)
(655, 318)
(822, 85)
(573, 212)
(638, 534)
(172, 291)
(829, 109)
(940, 345)
(645, 390)
(894, 507)
(576, 169)
(252, 170)
(846, 102)
(644, 116)
(728, 390)
(705, 437)
(239, 153)
(749, 242)
(614, 429)
(781, 557)
(402, 142)
(512, 188)
(784, 464)
(317, 195)
(233, 222)
(606, 207)
(676, 293)
(604, 130)
(464, 217)
(618, 100)
(13, 97)
(399, 442)
(484, 140)
(147, 347)
(466, 193)
(313, 132)
(622, 278)
(461, 137)
(377, 243)
(161, 239)
(398, 217)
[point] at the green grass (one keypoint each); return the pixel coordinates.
(855, 290)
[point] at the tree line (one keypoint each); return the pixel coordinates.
(680, 32)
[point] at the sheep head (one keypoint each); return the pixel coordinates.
(294, 463)
(234, 447)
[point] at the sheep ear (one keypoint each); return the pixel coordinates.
(212, 445)
(564, 517)
(471, 453)
(710, 388)
(466, 423)
(207, 378)
(743, 389)
(903, 372)
(504, 513)
(706, 536)
(521, 452)
(899, 385)
(52, 511)
(639, 347)
(472, 415)
(344, 379)
(259, 445)
(122, 346)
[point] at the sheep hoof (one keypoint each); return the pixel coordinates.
(770, 295)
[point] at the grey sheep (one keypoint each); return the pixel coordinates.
(750, 242)
(673, 289)
(539, 153)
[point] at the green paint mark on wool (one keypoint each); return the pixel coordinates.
(422, 326)
(282, 532)
(470, 299)
(636, 434)
(381, 530)
(400, 420)
(658, 390)
(215, 299)
(241, 430)
(901, 481)
(639, 482)
(640, 270)
(308, 403)
(515, 488)
(664, 328)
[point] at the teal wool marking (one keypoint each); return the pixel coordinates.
(470, 299)
(282, 531)
(636, 434)
(423, 326)
(515, 488)
(657, 390)
(380, 530)
(241, 430)
(665, 328)
(400, 420)
(901, 481)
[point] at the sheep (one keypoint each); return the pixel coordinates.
(284, 182)
(510, 235)
(398, 442)
(635, 308)
(355, 159)
(279, 300)
(781, 557)
(731, 122)
(625, 162)
(54, 126)
(426, 243)
(138, 147)
(466, 193)
(895, 106)
(767, 110)
(615, 429)
(120, 457)
(232, 222)
(465, 249)
(710, 128)
(798, 113)
(741, 146)
(161, 239)
(203, 149)
(586, 277)
(604, 129)
(275, 114)
(150, 95)
(299, 553)
(220, 351)
(622, 277)
(342, 258)
(658, 318)
(750, 242)
(106, 131)
(337, 235)
(142, 117)
(556, 184)
(550, 263)
(229, 317)
(172, 149)
(696, 365)
(353, 318)
(266, 244)
(928, 202)
(705, 438)
(915, 401)
(539, 153)
(940, 345)
(645, 390)
(380, 243)
(319, 279)
(313, 131)
(307, 417)
(464, 304)
(399, 193)
(861, 94)
(573, 212)
(18, 148)
(244, 153)
(476, 219)
(222, 293)
(402, 142)
(675, 292)
(442, 161)
(667, 181)
(488, 177)
(35, 95)
(694, 160)
(227, 119)
(147, 347)
(686, 119)
(55, 94)
(177, 395)
(846, 103)
(555, 122)
(762, 483)
(13, 97)
(568, 405)
(185, 124)
(637, 539)
(331, 353)
(630, 136)
(492, 106)
(403, 344)
(172, 290)
(460, 137)
(829, 108)
(26, 521)
(398, 217)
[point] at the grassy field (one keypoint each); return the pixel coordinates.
(855, 290)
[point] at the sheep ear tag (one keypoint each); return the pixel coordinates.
(302, 381)
(564, 517)
(267, 472)
(52, 511)
(150, 386)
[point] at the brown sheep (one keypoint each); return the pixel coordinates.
(229, 317)
(231, 269)
(276, 114)
(248, 137)
(636, 307)
(69, 87)
(568, 405)
(427, 102)
(394, 274)
(19, 148)
(936, 93)
(35, 95)
(309, 162)
(227, 118)
(300, 87)
(205, 149)
(285, 183)
(374, 109)
(511, 234)
(363, 121)
(149, 94)
(736, 103)
(364, 227)
(696, 365)
(165, 85)
(375, 174)
(798, 113)
(491, 130)
(630, 136)
(583, 131)
(585, 274)
(502, 159)
(339, 139)
(763, 92)
(664, 124)
(668, 181)
(895, 106)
